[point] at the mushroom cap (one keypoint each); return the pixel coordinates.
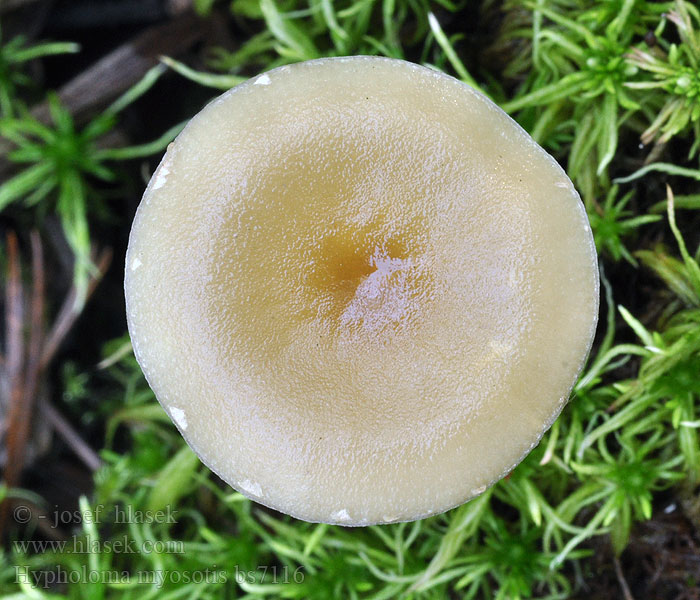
(360, 290)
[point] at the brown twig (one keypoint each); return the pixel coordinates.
(36, 326)
(116, 72)
(626, 592)
(23, 381)
(13, 313)
(68, 313)
(72, 438)
(17, 428)
(23, 367)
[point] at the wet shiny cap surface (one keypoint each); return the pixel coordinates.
(360, 290)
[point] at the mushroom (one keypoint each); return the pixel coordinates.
(360, 290)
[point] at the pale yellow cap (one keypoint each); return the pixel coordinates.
(360, 290)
